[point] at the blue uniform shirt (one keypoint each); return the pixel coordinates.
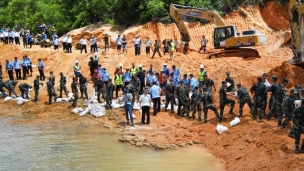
(16, 64)
(28, 61)
(127, 77)
(186, 81)
(9, 66)
(43, 37)
(56, 41)
(40, 64)
(100, 71)
(24, 62)
(154, 91)
(166, 71)
(193, 83)
(105, 76)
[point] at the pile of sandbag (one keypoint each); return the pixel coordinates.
(19, 100)
(67, 99)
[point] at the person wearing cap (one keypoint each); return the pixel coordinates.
(289, 107)
(137, 44)
(136, 84)
(100, 70)
(259, 91)
(128, 106)
(155, 92)
(208, 104)
(243, 97)
(224, 100)
(126, 77)
(185, 99)
(209, 83)
(76, 68)
(279, 99)
(156, 49)
(62, 86)
(83, 81)
(272, 104)
(51, 91)
(83, 43)
(133, 69)
(169, 88)
(299, 127)
(118, 44)
(166, 70)
(93, 44)
(145, 103)
(105, 76)
(141, 76)
(74, 91)
(24, 89)
(204, 42)
(100, 88)
(177, 94)
(118, 78)
(52, 78)
(9, 69)
(193, 82)
(36, 87)
(96, 77)
(24, 64)
(228, 79)
(56, 42)
(106, 40)
(124, 44)
(69, 44)
(176, 74)
(149, 78)
(109, 93)
(195, 100)
(41, 70)
(162, 79)
(118, 70)
(29, 67)
(148, 44)
(201, 75)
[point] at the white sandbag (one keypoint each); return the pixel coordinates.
(21, 101)
(163, 98)
(235, 94)
(103, 104)
(18, 98)
(29, 96)
(136, 106)
(235, 121)
(30, 89)
(120, 99)
(65, 99)
(87, 110)
(297, 103)
(13, 96)
(115, 106)
(33, 66)
(190, 94)
(162, 106)
(70, 95)
(77, 110)
(176, 101)
(267, 84)
(59, 100)
(221, 129)
(8, 98)
(228, 84)
(94, 98)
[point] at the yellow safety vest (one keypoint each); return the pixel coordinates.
(76, 68)
(118, 79)
(133, 71)
(172, 48)
(201, 76)
(95, 58)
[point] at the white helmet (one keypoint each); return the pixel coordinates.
(165, 64)
(201, 66)
(120, 64)
(139, 66)
(95, 54)
(76, 62)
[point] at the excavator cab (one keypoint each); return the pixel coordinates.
(221, 34)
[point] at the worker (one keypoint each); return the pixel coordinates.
(93, 64)
(131, 89)
(83, 86)
(9, 69)
(176, 74)
(43, 39)
(243, 97)
(56, 42)
(2, 92)
(63, 85)
(172, 50)
(156, 49)
(51, 91)
(185, 100)
(24, 89)
(196, 99)
(36, 87)
(230, 81)
(76, 68)
(16, 65)
(10, 86)
(126, 77)
(128, 107)
(224, 101)
(207, 100)
(141, 76)
(209, 83)
(109, 93)
(148, 44)
(74, 91)
(124, 44)
(41, 70)
(299, 127)
(118, 44)
(118, 83)
(95, 56)
(100, 87)
(204, 42)
(177, 94)
(133, 70)
(136, 84)
(259, 90)
(170, 95)
(201, 76)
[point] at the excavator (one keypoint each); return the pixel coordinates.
(296, 19)
(224, 36)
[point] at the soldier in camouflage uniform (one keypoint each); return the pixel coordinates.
(136, 83)
(259, 90)
(244, 98)
(10, 86)
(36, 87)
(100, 87)
(299, 127)
(83, 86)
(109, 93)
(196, 99)
(298, 96)
(131, 89)
(2, 84)
(207, 100)
(51, 91)
(185, 99)
(230, 80)
(289, 106)
(24, 89)
(224, 101)
(52, 78)
(178, 93)
(63, 85)
(279, 99)
(272, 104)
(169, 95)
(74, 91)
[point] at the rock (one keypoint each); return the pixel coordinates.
(190, 142)
(196, 142)
(182, 144)
(132, 142)
(146, 144)
(161, 147)
(107, 125)
(139, 144)
(122, 139)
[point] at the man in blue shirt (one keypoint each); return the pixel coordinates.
(56, 42)
(105, 76)
(24, 67)
(155, 91)
(29, 40)
(166, 70)
(193, 82)
(186, 80)
(100, 70)
(41, 70)
(9, 69)
(128, 106)
(29, 66)
(17, 68)
(127, 77)
(118, 43)
(176, 74)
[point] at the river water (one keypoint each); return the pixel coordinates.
(26, 147)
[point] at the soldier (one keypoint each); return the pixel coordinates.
(224, 100)
(244, 98)
(178, 92)
(267, 84)
(209, 83)
(136, 83)
(299, 127)
(169, 95)
(63, 85)
(10, 85)
(196, 99)
(36, 87)
(279, 99)
(259, 90)
(52, 78)
(207, 100)
(229, 80)
(272, 106)
(109, 93)
(141, 76)
(131, 89)
(83, 86)
(100, 86)
(298, 96)
(289, 106)
(185, 99)
(51, 91)
(24, 89)
(2, 84)
(75, 91)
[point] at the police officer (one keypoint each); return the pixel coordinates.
(24, 89)
(75, 91)
(10, 85)
(289, 106)
(299, 127)
(41, 69)
(51, 90)
(2, 84)
(24, 67)
(207, 100)
(259, 90)
(109, 93)
(83, 86)
(16, 65)
(36, 87)
(272, 105)
(9, 70)
(29, 66)
(244, 98)
(279, 99)
(105, 76)
(100, 86)
(178, 93)
(230, 80)
(62, 85)
(169, 95)
(196, 99)
(52, 78)
(224, 100)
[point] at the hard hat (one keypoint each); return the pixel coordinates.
(201, 66)
(76, 62)
(95, 54)
(165, 64)
(120, 64)
(139, 66)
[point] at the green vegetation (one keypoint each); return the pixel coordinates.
(70, 14)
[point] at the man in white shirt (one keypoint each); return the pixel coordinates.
(148, 46)
(145, 103)
(204, 43)
(137, 44)
(83, 43)
(2, 36)
(93, 44)
(69, 44)
(17, 38)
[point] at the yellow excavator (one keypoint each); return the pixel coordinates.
(224, 36)
(296, 19)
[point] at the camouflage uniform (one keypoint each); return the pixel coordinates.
(10, 85)
(244, 98)
(2, 84)
(224, 101)
(109, 88)
(272, 104)
(178, 90)
(259, 90)
(169, 95)
(100, 89)
(83, 87)
(36, 88)
(289, 108)
(51, 91)
(185, 100)
(208, 104)
(131, 89)
(24, 89)
(299, 128)
(52, 79)
(63, 86)
(75, 92)
(279, 99)
(136, 83)
(231, 88)
(196, 99)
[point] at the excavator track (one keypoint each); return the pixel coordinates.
(239, 52)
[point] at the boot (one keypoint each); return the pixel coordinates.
(200, 119)
(279, 123)
(291, 135)
(302, 147)
(297, 150)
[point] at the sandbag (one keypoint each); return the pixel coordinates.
(65, 99)
(21, 101)
(87, 110)
(221, 129)
(228, 84)
(77, 110)
(136, 106)
(297, 103)
(30, 89)
(59, 100)
(115, 106)
(8, 98)
(235, 121)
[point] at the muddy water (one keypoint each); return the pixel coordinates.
(24, 147)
